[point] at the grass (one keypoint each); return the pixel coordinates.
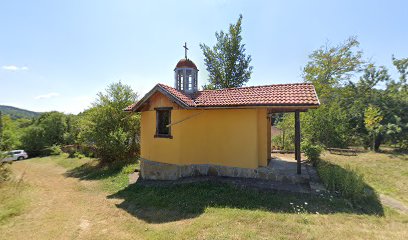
(13, 199)
(385, 172)
(191, 200)
(193, 211)
(112, 177)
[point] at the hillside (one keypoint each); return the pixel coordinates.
(18, 112)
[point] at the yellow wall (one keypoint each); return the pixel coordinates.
(227, 137)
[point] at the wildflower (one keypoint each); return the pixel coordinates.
(305, 203)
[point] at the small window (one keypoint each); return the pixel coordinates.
(163, 119)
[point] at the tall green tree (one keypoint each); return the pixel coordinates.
(227, 64)
(111, 130)
(330, 67)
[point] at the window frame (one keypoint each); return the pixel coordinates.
(157, 134)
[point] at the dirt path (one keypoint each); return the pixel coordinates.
(393, 203)
(65, 208)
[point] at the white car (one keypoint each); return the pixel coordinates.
(15, 155)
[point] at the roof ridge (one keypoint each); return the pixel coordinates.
(258, 86)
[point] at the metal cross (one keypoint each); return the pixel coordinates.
(185, 49)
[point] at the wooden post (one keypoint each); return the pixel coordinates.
(297, 142)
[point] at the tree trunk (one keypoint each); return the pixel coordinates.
(377, 142)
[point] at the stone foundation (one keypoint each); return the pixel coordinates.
(151, 170)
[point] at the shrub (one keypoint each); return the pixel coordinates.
(78, 155)
(53, 150)
(108, 128)
(311, 151)
(347, 181)
(5, 172)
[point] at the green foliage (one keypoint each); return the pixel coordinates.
(311, 151)
(53, 150)
(54, 125)
(49, 130)
(328, 126)
(72, 129)
(286, 124)
(10, 134)
(227, 64)
(340, 121)
(33, 140)
(106, 126)
(78, 155)
(347, 181)
(402, 67)
(372, 121)
(331, 66)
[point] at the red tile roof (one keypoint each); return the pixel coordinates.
(186, 63)
(296, 94)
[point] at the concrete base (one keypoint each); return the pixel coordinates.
(151, 170)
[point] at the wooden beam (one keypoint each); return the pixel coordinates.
(297, 142)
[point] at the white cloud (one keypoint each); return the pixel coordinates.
(46, 96)
(14, 68)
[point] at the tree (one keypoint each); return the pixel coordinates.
(227, 64)
(402, 67)
(10, 138)
(54, 125)
(372, 120)
(107, 127)
(331, 67)
(33, 140)
(48, 130)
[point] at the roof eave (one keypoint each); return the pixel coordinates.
(260, 106)
(160, 89)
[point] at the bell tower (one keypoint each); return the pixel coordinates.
(185, 74)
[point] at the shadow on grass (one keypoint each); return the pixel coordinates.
(95, 171)
(397, 153)
(162, 202)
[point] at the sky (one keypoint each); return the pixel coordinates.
(57, 55)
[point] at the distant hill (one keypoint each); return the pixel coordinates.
(15, 113)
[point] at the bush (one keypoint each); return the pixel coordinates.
(283, 144)
(5, 172)
(347, 181)
(311, 151)
(111, 131)
(78, 155)
(53, 150)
